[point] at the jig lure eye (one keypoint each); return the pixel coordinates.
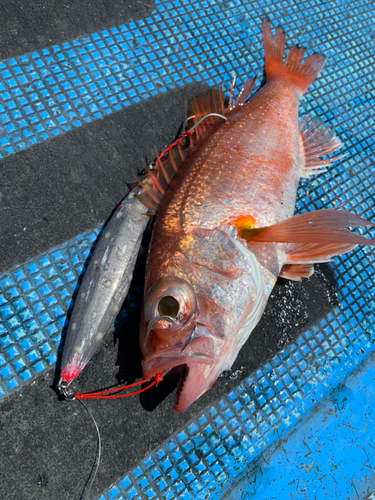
(172, 297)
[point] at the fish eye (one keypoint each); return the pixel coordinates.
(168, 306)
(172, 297)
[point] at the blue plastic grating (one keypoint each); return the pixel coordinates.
(48, 92)
(33, 314)
(203, 458)
(331, 455)
(34, 300)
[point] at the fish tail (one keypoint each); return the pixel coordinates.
(299, 75)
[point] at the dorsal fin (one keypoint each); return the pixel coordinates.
(211, 101)
(157, 178)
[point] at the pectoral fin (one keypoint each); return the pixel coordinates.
(319, 226)
(314, 253)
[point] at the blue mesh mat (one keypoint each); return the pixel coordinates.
(48, 92)
(34, 300)
(209, 41)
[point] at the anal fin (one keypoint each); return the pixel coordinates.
(318, 140)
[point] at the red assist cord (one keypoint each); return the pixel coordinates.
(184, 135)
(108, 394)
(191, 131)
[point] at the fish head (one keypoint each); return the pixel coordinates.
(204, 294)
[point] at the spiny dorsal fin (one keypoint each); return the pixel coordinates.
(212, 101)
(318, 140)
(242, 96)
(151, 195)
(156, 180)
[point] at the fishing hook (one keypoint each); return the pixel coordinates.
(157, 318)
(190, 338)
(203, 118)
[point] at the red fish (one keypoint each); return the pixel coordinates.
(225, 230)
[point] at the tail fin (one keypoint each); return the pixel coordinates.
(298, 74)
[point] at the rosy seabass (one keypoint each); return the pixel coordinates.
(224, 230)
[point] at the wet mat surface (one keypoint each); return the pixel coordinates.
(313, 335)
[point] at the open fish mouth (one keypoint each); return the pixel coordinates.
(194, 379)
(183, 371)
(183, 378)
(194, 358)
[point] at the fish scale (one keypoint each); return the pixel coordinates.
(220, 177)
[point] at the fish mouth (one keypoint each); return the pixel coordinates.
(194, 355)
(193, 377)
(184, 373)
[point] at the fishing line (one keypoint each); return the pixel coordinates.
(207, 116)
(231, 93)
(94, 469)
(190, 338)
(107, 394)
(217, 115)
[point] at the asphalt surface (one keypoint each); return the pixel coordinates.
(27, 26)
(55, 190)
